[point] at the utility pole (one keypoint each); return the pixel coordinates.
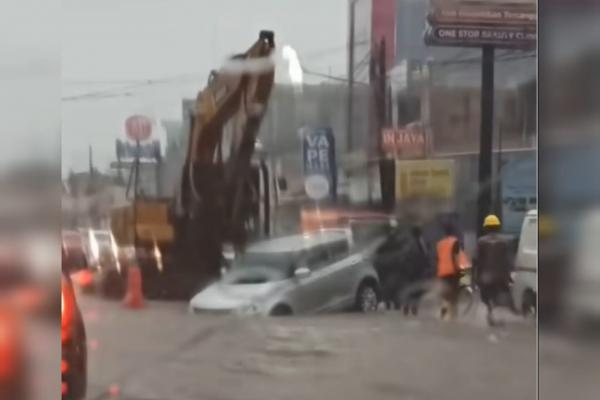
(382, 89)
(484, 201)
(90, 161)
(350, 110)
(386, 167)
(427, 88)
(92, 180)
(498, 183)
(136, 183)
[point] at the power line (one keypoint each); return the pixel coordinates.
(137, 84)
(104, 82)
(123, 90)
(100, 94)
(131, 81)
(330, 77)
(364, 62)
(504, 57)
(332, 49)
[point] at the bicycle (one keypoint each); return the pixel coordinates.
(466, 293)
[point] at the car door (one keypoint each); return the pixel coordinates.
(344, 271)
(313, 292)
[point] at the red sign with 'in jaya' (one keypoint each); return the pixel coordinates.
(404, 142)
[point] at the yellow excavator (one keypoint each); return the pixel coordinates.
(179, 241)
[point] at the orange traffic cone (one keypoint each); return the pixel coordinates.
(134, 297)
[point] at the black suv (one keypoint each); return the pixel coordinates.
(73, 366)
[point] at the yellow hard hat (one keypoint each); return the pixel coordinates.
(491, 221)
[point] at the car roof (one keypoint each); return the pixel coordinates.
(296, 243)
(532, 213)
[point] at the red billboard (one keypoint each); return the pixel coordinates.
(404, 142)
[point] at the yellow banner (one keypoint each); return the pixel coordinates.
(151, 232)
(425, 179)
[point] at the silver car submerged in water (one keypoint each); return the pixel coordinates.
(298, 274)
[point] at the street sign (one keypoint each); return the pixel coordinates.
(477, 36)
(425, 179)
(467, 23)
(127, 150)
(477, 13)
(138, 128)
(404, 141)
(317, 187)
(318, 147)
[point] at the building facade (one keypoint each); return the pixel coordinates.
(439, 89)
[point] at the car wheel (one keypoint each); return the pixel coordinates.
(529, 306)
(367, 298)
(281, 310)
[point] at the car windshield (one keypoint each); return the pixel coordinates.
(255, 268)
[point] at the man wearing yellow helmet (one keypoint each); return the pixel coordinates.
(493, 264)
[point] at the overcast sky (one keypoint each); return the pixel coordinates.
(29, 80)
(113, 44)
(68, 48)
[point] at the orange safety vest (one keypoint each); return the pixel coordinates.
(445, 262)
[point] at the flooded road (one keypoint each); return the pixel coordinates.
(164, 353)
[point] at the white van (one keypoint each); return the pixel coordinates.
(524, 290)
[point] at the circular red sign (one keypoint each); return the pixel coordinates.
(138, 127)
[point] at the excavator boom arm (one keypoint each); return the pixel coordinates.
(238, 92)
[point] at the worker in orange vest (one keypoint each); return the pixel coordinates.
(448, 270)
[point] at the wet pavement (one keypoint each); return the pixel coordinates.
(164, 353)
(568, 366)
